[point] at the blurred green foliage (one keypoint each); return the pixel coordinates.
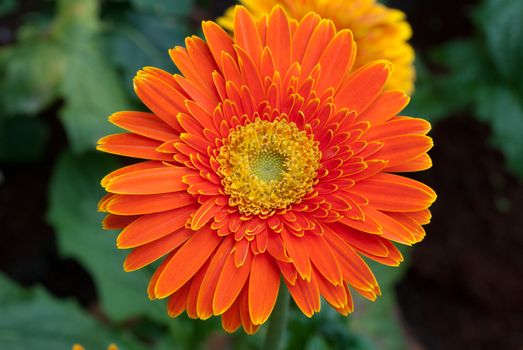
(483, 75)
(32, 319)
(76, 60)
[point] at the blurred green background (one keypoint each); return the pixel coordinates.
(66, 65)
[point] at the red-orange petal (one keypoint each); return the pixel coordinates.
(231, 320)
(395, 193)
(131, 204)
(132, 145)
(363, 86)
(145, 124)
(404, 148)
(148, 228)
(231, 282)
(204, 307)
(178, 301)
(149, 181)
(264, 283)
(152, 251)
(384, 107)
(306, 294)
(186, 262)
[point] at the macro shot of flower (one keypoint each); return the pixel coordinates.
(261, 174)
(380, 32)
(268, 158)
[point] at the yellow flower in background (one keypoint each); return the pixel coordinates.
(380, 32)
(80, 347)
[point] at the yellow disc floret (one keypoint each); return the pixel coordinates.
(267, 166)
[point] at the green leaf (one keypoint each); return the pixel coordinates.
(165, 7)
(503, 109)
(31, 72)
(74, 194)
(63, 58)
(500, 21)
(7, 7)
(32, 319)
(91, 87)
(92, 92)
(438, 96)
(138, 40)
(22, 139)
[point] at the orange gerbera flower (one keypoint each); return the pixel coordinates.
(380, 32)
(268, 157)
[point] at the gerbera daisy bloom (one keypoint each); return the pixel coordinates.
(269, 158)
(380, 32)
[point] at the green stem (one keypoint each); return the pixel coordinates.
(275, 337)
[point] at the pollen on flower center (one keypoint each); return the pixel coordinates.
(267, 166)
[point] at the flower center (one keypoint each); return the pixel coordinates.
(267, 166)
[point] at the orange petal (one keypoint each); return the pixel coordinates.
(395, 193)
(130, 169)
(248, 326)
(392, 229)
(336, 60)
(231, 282)
(279, 39)
(150, 252)
(367, 242)
(246, 34)
(116, 222)
(130, 204)
(422, 217)
(206, 212)
(335, 295)
(398, 126)
(178, 301)
(394, 257)
(319, 39)
(157, 273)
(298, 253)
(302, 35)
(150, 227)
(423, 162)
(186, 262)
(401, 149)
(306, 294)
(196, 286)
(263, 288)
(410, 224)
(204, 307)
(251, 74)
(363, 86)
(323, 258)
(231, 318)
(145, 124)
(384, 107)
(353, 267)
(160, 96)
(132, 145)
(149, 181)
(218, 40)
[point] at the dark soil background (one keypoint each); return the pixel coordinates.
(463, 289)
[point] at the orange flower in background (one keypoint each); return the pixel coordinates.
(380, 32)
(269, 158)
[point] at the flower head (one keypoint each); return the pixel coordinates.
(380, 32)
(269, 158)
